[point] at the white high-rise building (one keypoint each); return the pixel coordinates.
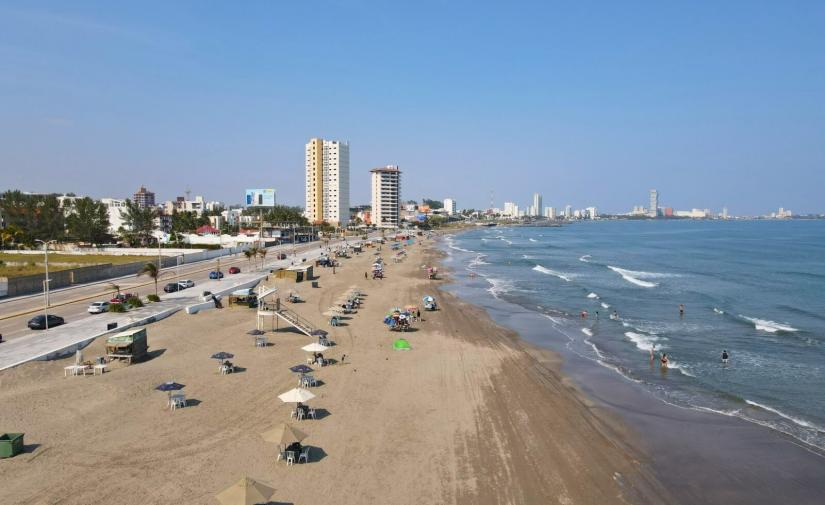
(327, 182)
(653, 210)
(509, 208)
(535, 209)
(550, 212)
(386, 196)
(449, 206)
(568, 211)
(592, 212)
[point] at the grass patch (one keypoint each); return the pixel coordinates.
(17, 265)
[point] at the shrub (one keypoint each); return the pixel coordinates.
(116, 307)
(153, 298)
(134, 302)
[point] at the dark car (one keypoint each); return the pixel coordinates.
(39, 322)
(171, 287)
(234, 270)
(282, 256)
(215, 274)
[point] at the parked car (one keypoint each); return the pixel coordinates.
(281, 256)
(98, 307)
(172, 287)
(122, 297)
(188, 283)
(216, 274)
(234, 270)
(39, 322)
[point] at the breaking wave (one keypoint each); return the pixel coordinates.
(539, 268)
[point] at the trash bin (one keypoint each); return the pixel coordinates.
(111, 326)
(11, 444)
(314, 284)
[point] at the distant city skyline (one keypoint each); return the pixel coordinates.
(587, 105)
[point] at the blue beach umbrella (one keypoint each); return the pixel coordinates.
(223, 355)
(319, 333)
(170, 386)
(301, 369)
(255, 332)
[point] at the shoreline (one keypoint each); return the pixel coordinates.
(728, 460)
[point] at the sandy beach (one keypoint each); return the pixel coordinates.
(470, 415)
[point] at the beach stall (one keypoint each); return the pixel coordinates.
(130, 345)
(299, 273)
(246, 297)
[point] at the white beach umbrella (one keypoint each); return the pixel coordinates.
(296, 395)
(314, 347)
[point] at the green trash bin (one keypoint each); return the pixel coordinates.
(11, 444)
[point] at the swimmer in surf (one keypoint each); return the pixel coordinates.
(681, 310)
(664, 360)
(652, 352)
(725, 356)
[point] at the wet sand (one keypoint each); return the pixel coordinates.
(471, 415)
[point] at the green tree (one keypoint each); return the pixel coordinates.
(248, 253)
(434, 204)
(262, 254)
(138, 223)
(151, 269)
(282, 214)
(88, 221)
(10, 235)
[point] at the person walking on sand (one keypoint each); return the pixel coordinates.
(366, 276)
(725, 356)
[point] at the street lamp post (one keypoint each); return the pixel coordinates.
(46, 281)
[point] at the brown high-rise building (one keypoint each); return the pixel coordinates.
(144, 198)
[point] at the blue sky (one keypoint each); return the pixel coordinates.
(712, 103)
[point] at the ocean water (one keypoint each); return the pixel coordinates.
(754, 288)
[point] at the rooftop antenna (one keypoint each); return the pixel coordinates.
(188, 193)
(492, 205)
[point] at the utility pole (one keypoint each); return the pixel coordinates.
(46, 281)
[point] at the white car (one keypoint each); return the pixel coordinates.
(186, 283)
(98, 307)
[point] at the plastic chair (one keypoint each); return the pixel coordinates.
(311, 413)
(290, 457)
(304, 455)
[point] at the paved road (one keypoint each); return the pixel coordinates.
(71, 303)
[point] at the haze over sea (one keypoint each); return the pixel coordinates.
(751, 287)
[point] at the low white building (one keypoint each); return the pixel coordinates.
(113, 208)
(550, 212)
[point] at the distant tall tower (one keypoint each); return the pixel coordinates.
(327, 182)
(536, 205)
(653, 211)
(144, 198)
(568, 211)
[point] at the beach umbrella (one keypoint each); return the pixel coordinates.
(429, 299)
(222, 355)
(284, 434)
(254, 332)
(401, 345)
(319, 333)
(314, 347)
(301, 369)
(169, 387)
(245, 492)
(296, 395)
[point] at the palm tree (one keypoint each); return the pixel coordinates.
(262, 254)
(248, 254)
(11, 233)
(114, 286)
(151, 269)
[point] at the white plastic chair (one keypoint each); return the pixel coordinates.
(304, 455)
(290, 457)
(311, 413)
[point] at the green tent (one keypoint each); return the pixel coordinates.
(401, 345)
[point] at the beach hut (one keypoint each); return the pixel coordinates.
(130, 345)
(299, 273)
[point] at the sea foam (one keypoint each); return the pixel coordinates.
(769, 326)
(539, 268)
(642, 341)
(634, 277)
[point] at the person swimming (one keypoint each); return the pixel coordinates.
(725, 356)
(681, 310)
(614, 316)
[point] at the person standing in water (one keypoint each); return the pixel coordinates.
(652, 352)
(664, 360)
(725, 356)
(681, 310)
